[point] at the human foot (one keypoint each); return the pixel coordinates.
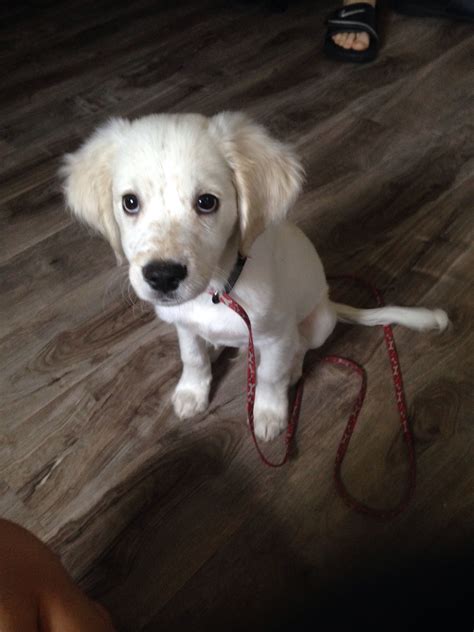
(352, 32)
(357, 41)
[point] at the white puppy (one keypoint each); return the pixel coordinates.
(180, 196)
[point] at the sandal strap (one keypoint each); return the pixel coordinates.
(358, 17)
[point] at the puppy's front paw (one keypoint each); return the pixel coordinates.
(269, 423)
(188, 402)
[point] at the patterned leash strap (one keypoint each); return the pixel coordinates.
(353, 503)
(252, 384)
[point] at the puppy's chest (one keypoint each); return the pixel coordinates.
(217, 324)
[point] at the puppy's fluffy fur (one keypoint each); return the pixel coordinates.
(167, 162)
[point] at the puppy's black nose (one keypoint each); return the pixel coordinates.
(164, 276)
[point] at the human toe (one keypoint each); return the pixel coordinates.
(361, 41)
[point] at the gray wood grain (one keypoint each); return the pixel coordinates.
(178, 525)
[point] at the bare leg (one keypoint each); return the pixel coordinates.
(36, 593)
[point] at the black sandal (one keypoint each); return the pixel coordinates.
(352, 18)
(453, 9)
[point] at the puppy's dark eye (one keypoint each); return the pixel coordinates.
(130, 203)
(207, 203)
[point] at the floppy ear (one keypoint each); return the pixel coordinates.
(87, 181)
(267, 174)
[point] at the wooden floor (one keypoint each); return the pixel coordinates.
(178, 526)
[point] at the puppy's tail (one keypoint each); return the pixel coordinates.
(418, 318)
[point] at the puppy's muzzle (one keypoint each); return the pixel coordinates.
(164, 276)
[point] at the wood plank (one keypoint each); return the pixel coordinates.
(178, 525)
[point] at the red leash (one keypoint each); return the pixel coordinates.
(252, 383)
(353, 503)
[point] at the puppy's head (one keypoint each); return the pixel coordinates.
(169, 191)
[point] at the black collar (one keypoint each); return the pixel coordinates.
(233, 277)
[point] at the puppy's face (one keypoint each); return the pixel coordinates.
(175, 204)
(169, 191)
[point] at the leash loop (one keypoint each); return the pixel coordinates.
(399, 390)
(350, 501)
